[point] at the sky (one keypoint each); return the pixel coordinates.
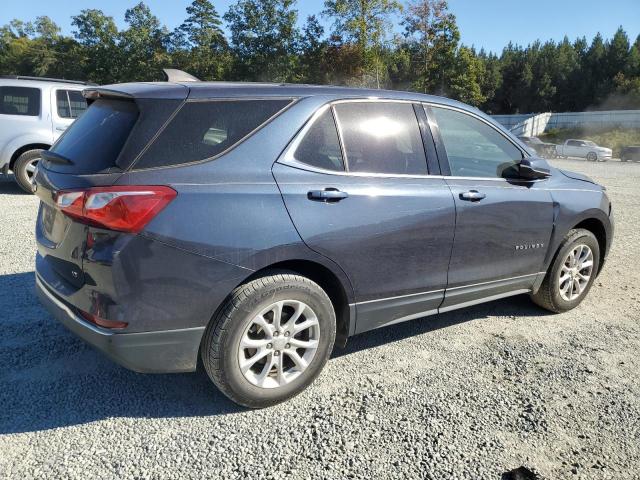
(488, 24)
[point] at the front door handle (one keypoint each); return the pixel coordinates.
(472, 196)
(327, 195)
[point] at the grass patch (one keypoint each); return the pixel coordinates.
(614, 139)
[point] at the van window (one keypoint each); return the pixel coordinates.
(202, 130)
(382, 137)
(70, 103)
(20, 101)
(320, 146)
(94, 141)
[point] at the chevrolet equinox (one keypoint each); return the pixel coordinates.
(254, 226)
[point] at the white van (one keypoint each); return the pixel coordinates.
(34, 112)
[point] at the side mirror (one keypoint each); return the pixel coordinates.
(533, 169)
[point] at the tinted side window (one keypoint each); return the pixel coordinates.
(62, 104)
(573, 143)
(320, 146)
(20, 101)
(474, 148)
(202, 130)
(382, 138)
(70, 103)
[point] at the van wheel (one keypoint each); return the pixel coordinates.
(270, 339)
(592, 157)
(571, 274)
(24, 167)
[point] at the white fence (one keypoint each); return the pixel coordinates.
(602, 119)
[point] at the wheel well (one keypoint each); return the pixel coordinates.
(26, 148)
(596, 227)
(328, 281)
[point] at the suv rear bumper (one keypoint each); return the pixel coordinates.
(165, 351)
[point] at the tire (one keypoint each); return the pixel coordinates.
(550, 296)
(592, 157)
(241, 319)
(22, 170)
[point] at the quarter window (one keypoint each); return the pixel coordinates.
(320, 146)
(20, 101)
(202, 130)
(382, 138)
(474, 148)
(70, 103)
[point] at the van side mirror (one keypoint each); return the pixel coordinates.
(534, 169)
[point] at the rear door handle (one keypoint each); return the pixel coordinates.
(472, 196)
(327, 195)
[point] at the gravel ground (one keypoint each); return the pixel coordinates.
(469, 394)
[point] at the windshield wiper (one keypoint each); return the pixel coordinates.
(53, 157)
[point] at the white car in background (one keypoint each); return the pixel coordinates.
(584, 149)
(34, 112)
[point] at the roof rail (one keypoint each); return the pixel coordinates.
(177, 76)
(45, 79)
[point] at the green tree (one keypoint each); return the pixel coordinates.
(143, 45)
(365, 23)
(466, 79)
(264, 39)
(491, 80)
(313, 52)
(595, 75)
(97, 36)
(199, 44)
(433, 30)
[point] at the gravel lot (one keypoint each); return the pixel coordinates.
(469, 394)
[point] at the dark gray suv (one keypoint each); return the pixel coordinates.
(256, 225)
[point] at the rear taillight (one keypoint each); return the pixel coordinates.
(121, 208)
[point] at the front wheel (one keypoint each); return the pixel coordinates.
(270, 340)
(571, 274)
(592, 157)
(24, 168)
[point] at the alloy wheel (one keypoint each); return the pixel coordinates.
(576, 272)
(279, 344)
(30, 168)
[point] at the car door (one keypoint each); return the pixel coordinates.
(576, 149)
(67, 106)
(503, 224)
(362, 196)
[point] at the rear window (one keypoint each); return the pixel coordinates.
(20, 101)
(95, 140)
(202, 130)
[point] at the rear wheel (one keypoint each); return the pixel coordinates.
(24, 168)
(571, 274)
(270, 340)
(592, 156)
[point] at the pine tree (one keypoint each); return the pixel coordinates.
(199, 44)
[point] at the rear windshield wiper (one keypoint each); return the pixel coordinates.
(53, 157)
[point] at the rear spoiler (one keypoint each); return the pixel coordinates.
(95, 93)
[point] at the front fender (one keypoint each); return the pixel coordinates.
(40, 136)
(574, 206)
